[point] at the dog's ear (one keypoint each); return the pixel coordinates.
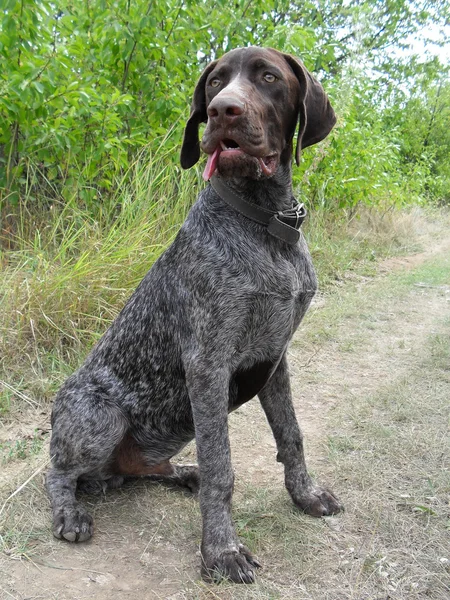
(316, 115)
(190, 149)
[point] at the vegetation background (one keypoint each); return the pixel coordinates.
(93, 100)
(87, 86)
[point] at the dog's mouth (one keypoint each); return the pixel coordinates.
(230, 149)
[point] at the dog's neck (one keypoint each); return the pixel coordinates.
(273, 193)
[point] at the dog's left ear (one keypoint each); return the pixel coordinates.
(316, 115)
(190, 149)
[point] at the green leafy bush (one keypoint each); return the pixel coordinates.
(84, 87)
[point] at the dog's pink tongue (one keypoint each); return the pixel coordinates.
(211, 164)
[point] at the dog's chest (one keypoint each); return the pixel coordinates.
(275, 307)
(271, 321)
(273, 313)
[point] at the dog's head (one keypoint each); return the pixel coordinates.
(252, 99)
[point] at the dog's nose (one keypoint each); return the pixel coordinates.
(226, 108)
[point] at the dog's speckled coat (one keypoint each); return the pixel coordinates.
(208, 327)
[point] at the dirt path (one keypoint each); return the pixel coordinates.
(357, 342)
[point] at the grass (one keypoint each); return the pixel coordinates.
(342, 246)
(391, 451)
(21, 449)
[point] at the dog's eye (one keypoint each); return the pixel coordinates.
(214, 82)
(269, 77)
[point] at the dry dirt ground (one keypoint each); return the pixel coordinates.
(371, 386)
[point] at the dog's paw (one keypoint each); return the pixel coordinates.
(92, 487)
(189, 477)
(185, 476)
(235, 565)
(98, 487)
(317, 502)
(73, 524)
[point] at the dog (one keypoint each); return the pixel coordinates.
(208, 327)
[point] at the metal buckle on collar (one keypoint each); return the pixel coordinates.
(297, 212)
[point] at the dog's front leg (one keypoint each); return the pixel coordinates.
(276, 400)
(222, 554)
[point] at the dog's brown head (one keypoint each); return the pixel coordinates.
(252, 99)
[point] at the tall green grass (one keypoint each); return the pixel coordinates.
(67, 274)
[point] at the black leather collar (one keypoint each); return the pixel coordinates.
(283, 224)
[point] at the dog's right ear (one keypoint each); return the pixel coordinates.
(190, 149)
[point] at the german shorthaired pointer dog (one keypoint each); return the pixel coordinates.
(209, 326)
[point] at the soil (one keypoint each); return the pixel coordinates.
(130, 555)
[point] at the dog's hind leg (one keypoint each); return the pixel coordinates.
(86, 430)
(185, 476)
(97, 487)
(131, 460)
